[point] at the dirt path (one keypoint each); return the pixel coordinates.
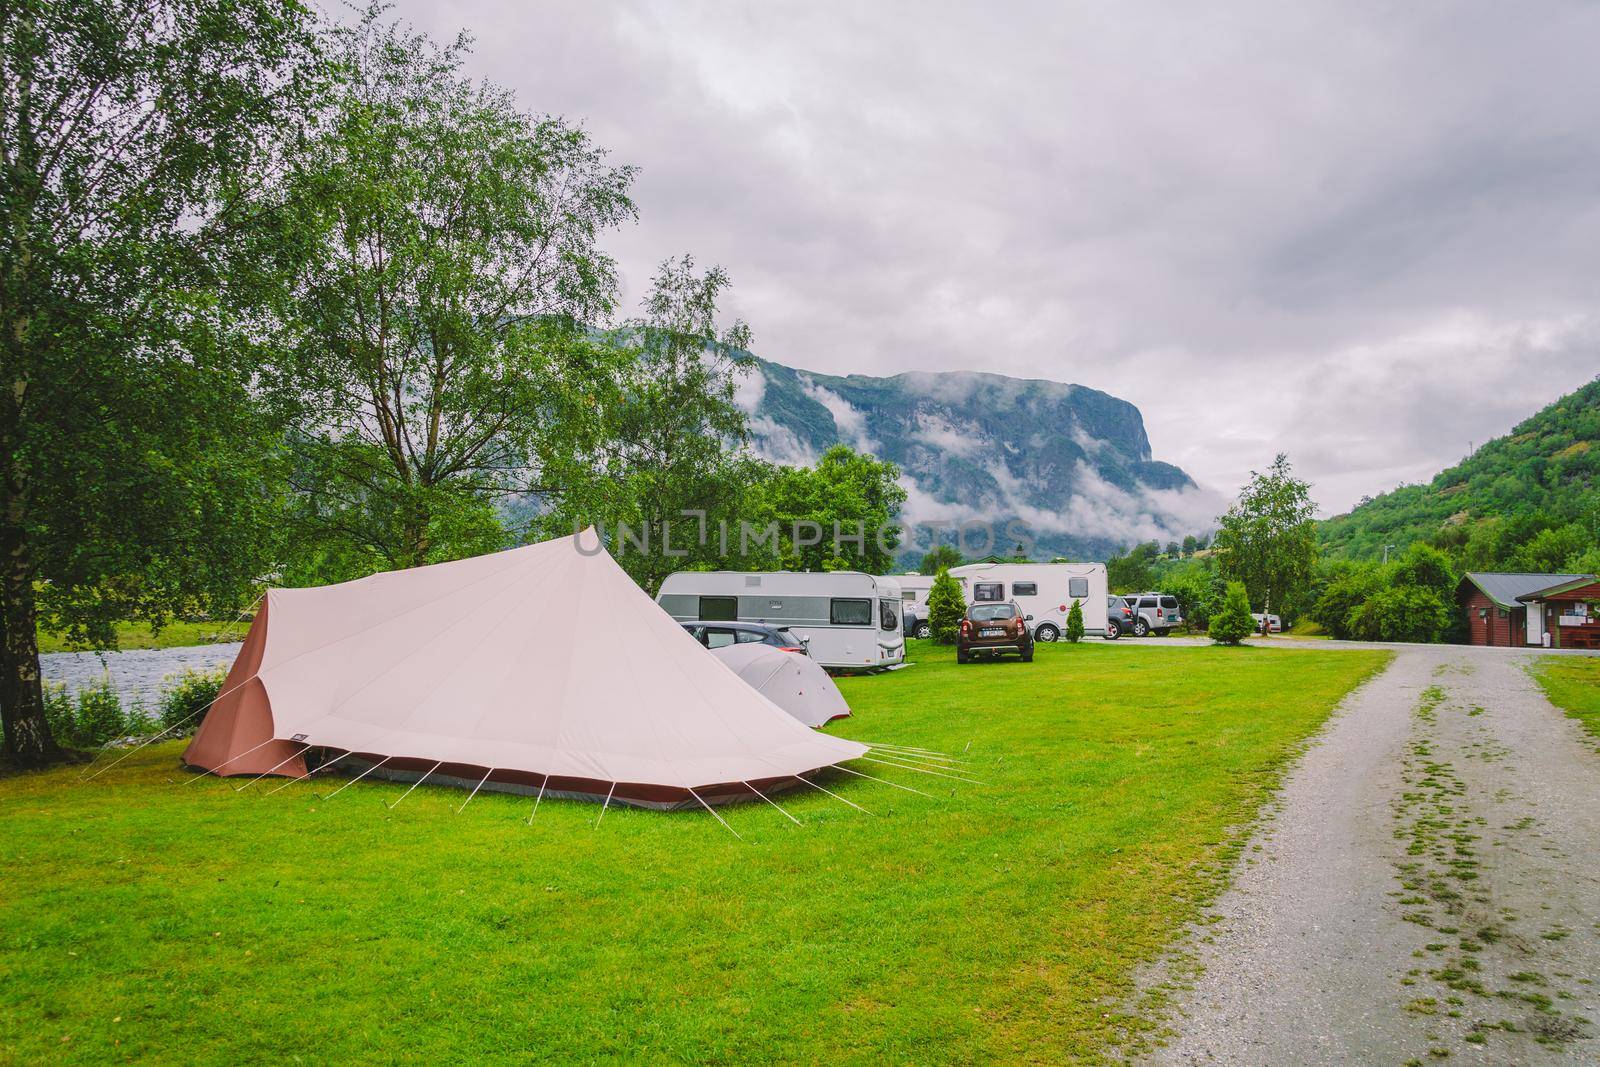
(1428, 888)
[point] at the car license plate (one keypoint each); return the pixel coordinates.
(991, 633)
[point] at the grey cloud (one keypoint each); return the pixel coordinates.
(1329, 228)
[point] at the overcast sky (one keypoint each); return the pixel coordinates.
(1366, 234)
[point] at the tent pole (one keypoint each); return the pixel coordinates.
(225, 762)
(263, 774)
(535, 811)
(832, 794)
(416, 783)
(886, 781)
(922, 770)
(357, 778)
(607, 804)
(475, 789)
(714, 815)
(774, 803)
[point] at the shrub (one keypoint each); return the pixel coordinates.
(1075, 622)
(91, 717)
(946, 608)
(188, 698)
(1401, 613)
(1232, 623)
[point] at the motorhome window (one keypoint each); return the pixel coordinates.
(1169, 601)
(719, 608)
(992, 613)
(908, 595)
(888, 615)
(850, 612)
(988, 591)
(1078, 587)
(719, 638)
(1024, 588)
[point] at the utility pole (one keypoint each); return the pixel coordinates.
(1386, 549)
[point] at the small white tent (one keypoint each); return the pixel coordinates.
(543, 666)
(795, 682)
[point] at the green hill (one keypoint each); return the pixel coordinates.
(1544, 473)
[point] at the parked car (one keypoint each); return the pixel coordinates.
(1119, 618)
(990, 629)
(1274, 624)
(914, 601)
(719, 634)
(1154, 611)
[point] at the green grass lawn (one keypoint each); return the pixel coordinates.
(173, 635)
(1573, 684)
(142, 917)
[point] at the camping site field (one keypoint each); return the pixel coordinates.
(143, 914)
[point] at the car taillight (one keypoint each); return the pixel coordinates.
(966, 626)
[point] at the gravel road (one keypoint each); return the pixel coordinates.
(137, 674)
(1426, 888)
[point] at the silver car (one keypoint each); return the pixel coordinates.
(1154, 611)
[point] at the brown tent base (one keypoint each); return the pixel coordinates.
(529, 783)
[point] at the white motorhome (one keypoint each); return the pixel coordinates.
(1044, 591)
(850, 620)
(914, 602)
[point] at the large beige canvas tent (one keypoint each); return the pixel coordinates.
(793, 681)
(540, 668)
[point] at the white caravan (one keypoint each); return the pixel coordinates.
(849, 620)
(1044, 591)
(914, 602)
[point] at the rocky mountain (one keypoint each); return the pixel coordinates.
(1072, 465)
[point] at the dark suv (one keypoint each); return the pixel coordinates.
(1119, 618)
(990, 629)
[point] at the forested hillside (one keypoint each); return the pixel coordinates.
(1544, 473)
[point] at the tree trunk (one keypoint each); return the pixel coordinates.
(28, 739)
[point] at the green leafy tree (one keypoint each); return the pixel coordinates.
(1347, 588)
(1190, 544)
(1075, 622)
(135, 264)
(1232, 623)
(451, 264)
(1268, 540)
(940, 558)
(846, 493)
(669, 463)
(946, 608)
(1130, 573)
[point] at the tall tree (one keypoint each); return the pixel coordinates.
(134, 135)
(452, 269)
(940, 558)
(670, 466)
(1268, 540)
(841, 514)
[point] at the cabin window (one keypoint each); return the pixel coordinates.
(719, 608)
(908, 595)
(888, 615)
(988, 591)
(1504, 613)
(852, 612)
(1024, 588)
(1078, 587)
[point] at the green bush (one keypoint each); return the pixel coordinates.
(946, 608)
(1401, 613)
(1232, 623)
(92, 716)
(1075, 622)
(188, 698)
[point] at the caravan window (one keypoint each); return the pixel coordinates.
(888, 615)
(850, 612)
(908, 595)
(1077, 587)
(990, 591)
(1024, 588)
(719, 608)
